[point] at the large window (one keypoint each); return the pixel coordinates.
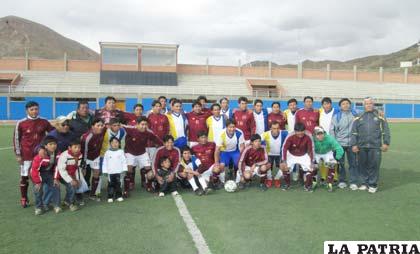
(158, 57)
(128, 56)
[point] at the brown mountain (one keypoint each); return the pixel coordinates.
(17, 33)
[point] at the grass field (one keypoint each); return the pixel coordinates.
(244, 222)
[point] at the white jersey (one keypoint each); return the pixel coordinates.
(114, 162)
(325, 119)
(259, 122)
(230, 144)
(291, 119)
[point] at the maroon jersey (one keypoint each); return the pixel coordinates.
(278, 118)
(196, 123)
(245, 122)
(28, 134)
(251, 156)
(159, 124)
(129, 118)
(205, 153)
(106, 115)
(173, 154)
(309, 117)
(137, 141)
(91, 144)
(298, 146)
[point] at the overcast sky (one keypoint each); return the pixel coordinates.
(284, 31)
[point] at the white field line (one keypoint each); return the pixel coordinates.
(199, 241)
(6, 148)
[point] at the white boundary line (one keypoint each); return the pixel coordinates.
(6, 148)
(199, 241)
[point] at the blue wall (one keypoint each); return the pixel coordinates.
(416, 110)
(3, 108)
(398, 110)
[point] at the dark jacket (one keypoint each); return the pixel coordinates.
(370, 131)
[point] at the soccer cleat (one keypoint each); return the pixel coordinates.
(110, 200)
(308, 189)
(38, 211)
(263, 187)
(174, 193)
(353, 187)
(199, 192)
(330, 187)
(207, 191)
(95, 198)
(363, 187)
(57, 209)
(24, 202)
(372, 189)
(342, 185)
(268, 183)
(65, 203)
(285, 187)
(73, 207)
(125, 194)
(120, 199)
(161, 194)
(277, 183)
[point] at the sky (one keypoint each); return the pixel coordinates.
(225, 32)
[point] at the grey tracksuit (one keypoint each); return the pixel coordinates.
(369, 132)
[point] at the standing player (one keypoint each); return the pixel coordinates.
(290, 114)
(253, 162)
(244, 119)
(162, 100)
(215, 123)
(109, 111)
(298, 149)
(29, 132)
(276, 116)
(158, 123)
(326, 114)
(308, 115)
(273, 140)
(224, 108)
(177, 123)
(196, 123)
(130, 118)
(260, 117)
(203, 101)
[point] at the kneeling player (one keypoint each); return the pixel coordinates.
(298, 150)
(191, 169)
(327, 151)
(253, 162)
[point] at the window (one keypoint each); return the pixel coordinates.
(158, 57)
(128, 56)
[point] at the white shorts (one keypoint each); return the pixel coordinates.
(327, 158)
(256, 171)
(151, 151)
(25, 167)
(140, 161)
(206, 174)
(94, 164)
(304, 161)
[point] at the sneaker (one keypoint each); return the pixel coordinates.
(24, 202)
(174, 193)
(330, 187)
(363, 187)
(161, 194)
(95, 198)
(81, 203)
(198, 192)
(58, 209)
(120, 199)
(277, 183)
(38, 211)
(353, 187)
(342, 185)
(263, 187)
(110, 200)
(207, 191)
(268, 183)
(125, 194)
(73, 207)
(308, 189)
(65, 203)
(285, 187)
(372, 189)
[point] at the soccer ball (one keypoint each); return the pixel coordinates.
(230, 186)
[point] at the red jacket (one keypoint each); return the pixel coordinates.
(42, 164)
(245, 122)
(28, 134)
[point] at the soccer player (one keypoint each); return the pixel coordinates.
(42, 175)
(260, 117)
(276, 116)
(204, 151)
(167, 150)
(29, 132)
(370, 137)
(91, 144)
(229, 145)
(178, 123)
(162, 100)
(165, 177)
(109, 111)
(253, 162)
(298, 150)
(290, 114)
(244, 119)
(215, 123)
(130, 118)
(273, 141)
(190, 169)
(224, 108)
(326, 114)
(115, 164)
(308, 115)
(203, 101)
(158, 123)
(137, 140)
(327, 152)
(196, 123)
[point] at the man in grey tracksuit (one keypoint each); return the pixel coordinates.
(370, 137)
(340, 129)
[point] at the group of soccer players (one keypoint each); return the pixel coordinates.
(172, 148)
